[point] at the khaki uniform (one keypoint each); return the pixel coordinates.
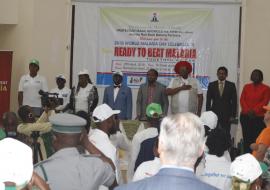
(68, 170)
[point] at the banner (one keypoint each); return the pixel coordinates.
(133, 40)
(5, 80)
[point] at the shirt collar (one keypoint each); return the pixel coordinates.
(177, 167)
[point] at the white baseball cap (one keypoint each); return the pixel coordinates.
(209, 119)
(16, 164)
(246, 168)
(60, 77)
(83, 72)
(103, 112)
(118, 73)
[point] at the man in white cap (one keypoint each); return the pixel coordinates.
(29, 87)
(16, 166)
(67, 168)
(105, 120)
(62, 91)
(119, 97)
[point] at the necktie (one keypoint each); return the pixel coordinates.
(221, 88)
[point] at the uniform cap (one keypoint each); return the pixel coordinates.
(60, 77)
(67, 123)
(103, 112)
(246, 168)
(154, 110)
(16, 164)
(180, 64)
(34, 61)
(84, 72)
(209, 119)
(118, 73)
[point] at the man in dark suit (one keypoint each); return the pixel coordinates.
(181, 142)
(119, 97)
(222, 99)
(151, 92)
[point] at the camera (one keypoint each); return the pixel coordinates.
(50, 100)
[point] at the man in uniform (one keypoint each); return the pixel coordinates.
(66, 168)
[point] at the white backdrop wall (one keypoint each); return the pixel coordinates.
(225, 38)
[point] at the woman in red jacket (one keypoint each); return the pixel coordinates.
(254, 96)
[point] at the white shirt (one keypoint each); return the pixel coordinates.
(62, 93)
(216, 172)
(115, 92)
(101, 140)
(138, 138)
(183, 95)
(147, 169)
(30, 86)
(81, 99)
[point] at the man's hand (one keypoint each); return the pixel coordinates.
(186, 87)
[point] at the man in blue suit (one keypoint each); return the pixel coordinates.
(181, 142)
(119, 97)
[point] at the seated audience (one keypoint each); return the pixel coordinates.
(16, 167)
(148, 168)
(143, 141)
(67, 168)
(245, 171)
(263, 140)
(10, 124)
(181, 142)
(104, 117)
(217, 168)
(36, 128)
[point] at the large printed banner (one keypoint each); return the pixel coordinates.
(133, 40)
(5, 80)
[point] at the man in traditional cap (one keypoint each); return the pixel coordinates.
(186, 92)
(29, 87)
(143, 141)
(119, 97)
(66, 168)
(151, 92)
(62, 91)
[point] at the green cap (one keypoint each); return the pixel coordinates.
(67, 123)
(153, 110)
(34, 61)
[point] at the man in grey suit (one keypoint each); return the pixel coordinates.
(181, 142)
(151, 92)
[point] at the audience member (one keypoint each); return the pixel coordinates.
(181, 142)
(186, 92)
(217, 167)
(29, 87)
(66, 168)
(148, 168)
(254, 96)
(104, 117)
(16, 167)
(209, 120)
(222, 99)
(86, 96)
(119, 97)
(263, 140)
(36, 128)
(62, 93)
(10, 124)
(143, 141)
(151, 92)
(245, 171)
